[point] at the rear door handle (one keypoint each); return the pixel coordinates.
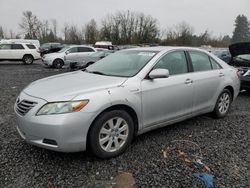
(188, 81)
(221, 74)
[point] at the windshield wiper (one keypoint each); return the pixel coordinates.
(94, 72)
(97, 72)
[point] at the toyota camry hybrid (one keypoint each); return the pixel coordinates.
(123, 95)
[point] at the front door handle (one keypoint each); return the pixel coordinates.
(188, 81)
(221, 74)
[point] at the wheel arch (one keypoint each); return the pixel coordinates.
(231, 89)
(124, 107)
(58, 58)
(28, 55)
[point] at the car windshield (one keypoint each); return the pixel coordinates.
(64, 49)
(46, 45)
(123, 64)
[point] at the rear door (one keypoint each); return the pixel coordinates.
(207, 78)
(84, 51)
(17, 51)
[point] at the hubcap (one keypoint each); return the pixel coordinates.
(58, 64)
(28, 60)
(224, 102)
(113, 134)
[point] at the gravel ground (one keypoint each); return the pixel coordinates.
(224, 144)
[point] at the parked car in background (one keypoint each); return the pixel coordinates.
(19, 51)
(66, 54)
(123, 47)
(77, 53)
(106, 45)
(88, 60)
(241, 59)
(223, 54)
(123, 95)
(47, 48)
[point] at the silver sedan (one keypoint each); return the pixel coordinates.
(126, 94)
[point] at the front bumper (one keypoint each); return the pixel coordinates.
(47, 62)
(61, 132)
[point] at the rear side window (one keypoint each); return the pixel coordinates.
(30, 46)
(200, 61)
(175, 62)
(215, 65)
(17, 47)
(85, 49)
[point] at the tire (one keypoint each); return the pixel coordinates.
(223, 104)
(106, 141)
(58, 63)
(28, 59)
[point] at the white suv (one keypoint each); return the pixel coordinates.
(19, 51)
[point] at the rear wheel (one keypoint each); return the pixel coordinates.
(58, 63)
(111, 134)
(223, 104)
(28, 59)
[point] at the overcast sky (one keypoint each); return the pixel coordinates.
(215, 15)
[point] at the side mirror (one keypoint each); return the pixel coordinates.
(159, 73)
(67, 52)
(102, 57)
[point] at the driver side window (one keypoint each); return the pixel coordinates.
(73, 50)
(175, 62)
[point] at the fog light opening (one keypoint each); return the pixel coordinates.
(49, 141)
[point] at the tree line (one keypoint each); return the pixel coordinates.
(125, 27)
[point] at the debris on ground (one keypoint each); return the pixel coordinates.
(207, 179)
(165, 152)
(190, 157)
(124, 180)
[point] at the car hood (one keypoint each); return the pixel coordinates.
(54, 55)
(65, 87)
(239, 49)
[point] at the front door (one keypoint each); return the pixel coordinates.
(169, 98)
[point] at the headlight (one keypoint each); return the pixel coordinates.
(62, 107)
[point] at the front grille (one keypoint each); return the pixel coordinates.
(24, 106)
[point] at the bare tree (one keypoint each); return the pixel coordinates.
(72, 35)
(91, 32)
(30, 25)
(54, 27)
(126, 27)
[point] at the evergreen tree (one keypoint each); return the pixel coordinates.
(242, 30)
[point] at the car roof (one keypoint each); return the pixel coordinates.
(80, 46)
(18, 43)
(165, 48)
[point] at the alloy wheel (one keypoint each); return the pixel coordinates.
(224, 103)
(113, 134)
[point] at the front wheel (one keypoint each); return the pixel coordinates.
(58, 63)
(111, 134)
(223, 104)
